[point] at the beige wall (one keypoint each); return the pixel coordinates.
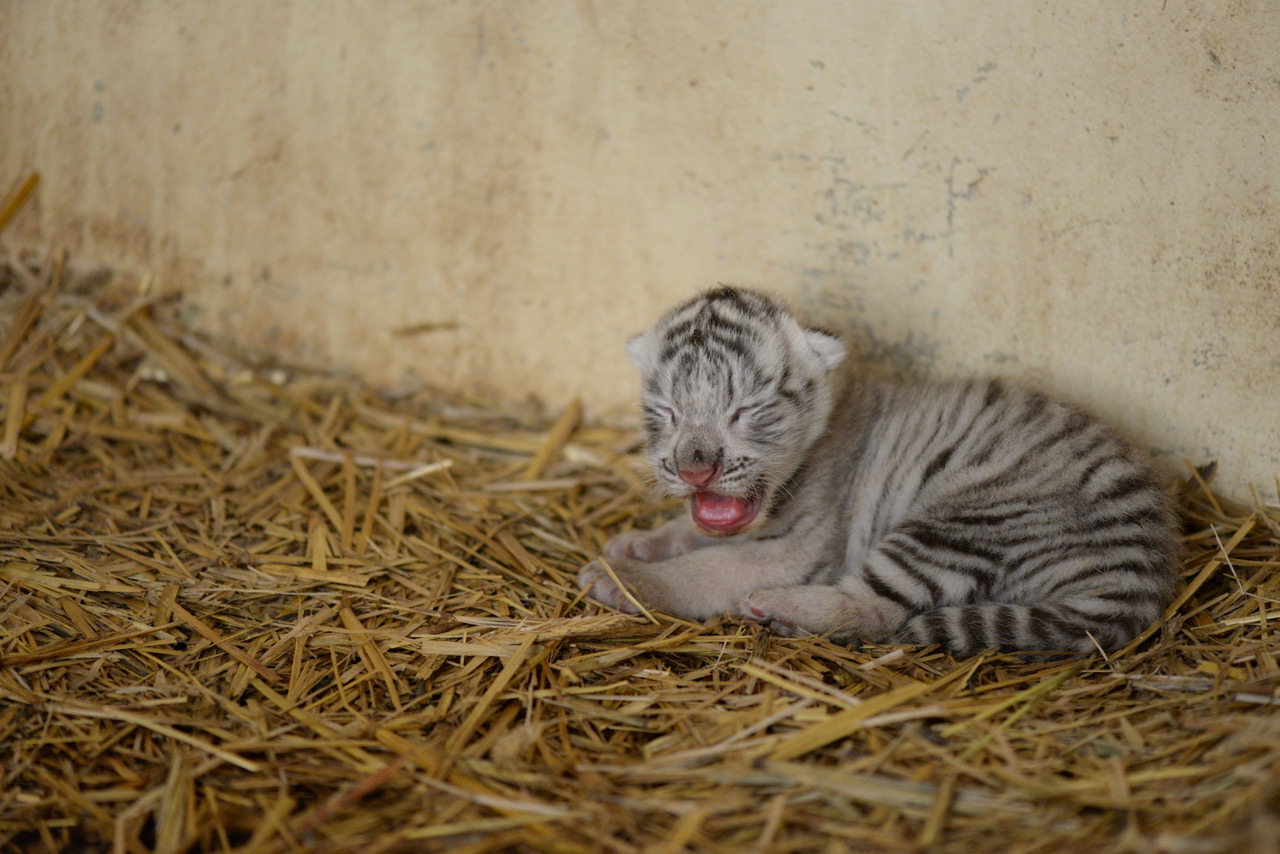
(1081, 193)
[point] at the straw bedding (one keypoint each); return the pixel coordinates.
(246, 608)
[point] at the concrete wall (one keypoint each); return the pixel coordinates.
(1084, 194)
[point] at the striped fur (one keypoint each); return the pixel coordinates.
(968, 514)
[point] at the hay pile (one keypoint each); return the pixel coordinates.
(245, 609)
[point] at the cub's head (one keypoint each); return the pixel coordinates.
(735, 394)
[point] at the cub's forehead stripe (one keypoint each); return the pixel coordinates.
(707, 320)
(718, 352)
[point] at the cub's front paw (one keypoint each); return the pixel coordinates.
(595, 580)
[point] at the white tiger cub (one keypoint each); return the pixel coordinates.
(967, 514)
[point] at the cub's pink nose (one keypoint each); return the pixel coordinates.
(700, 476)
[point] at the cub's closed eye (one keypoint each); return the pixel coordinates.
(739, 412)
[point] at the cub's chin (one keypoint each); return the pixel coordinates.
(724, 515)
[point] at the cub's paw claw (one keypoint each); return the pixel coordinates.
(595, 580)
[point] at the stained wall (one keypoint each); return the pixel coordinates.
(1084, 195)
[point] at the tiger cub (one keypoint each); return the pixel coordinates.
(967, 514)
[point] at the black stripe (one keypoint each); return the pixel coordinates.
(885, 591)
(992, 520)
(996, 481)
(1135, 597)
(1028, 566)
(679, 331)
(923, 559)
(718, 322)
(1088, 450)
(1007, 622)
(936, 465)
(972, 628)
(1036, 404)
(721, 347)
(1092, 577)
(931, 538)
(936, 629)
(902, 558)
(995, 391)
(1123, 487)
(717, 326)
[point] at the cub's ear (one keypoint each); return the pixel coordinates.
(829, 348)
(643, 352)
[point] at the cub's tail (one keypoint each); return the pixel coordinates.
(1080, 625)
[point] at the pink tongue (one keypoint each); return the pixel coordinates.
(719, 511)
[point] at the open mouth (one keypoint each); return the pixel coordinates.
(722, 514)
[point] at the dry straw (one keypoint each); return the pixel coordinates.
(246, 611)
